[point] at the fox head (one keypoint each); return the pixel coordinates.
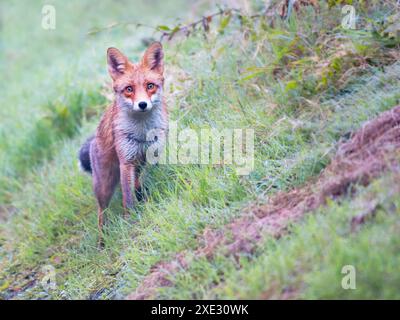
(138, 87)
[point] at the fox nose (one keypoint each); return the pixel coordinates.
(142, 105)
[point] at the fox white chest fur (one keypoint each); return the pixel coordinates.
(135, 134)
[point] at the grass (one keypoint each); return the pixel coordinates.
(58, 94)
(307, 264)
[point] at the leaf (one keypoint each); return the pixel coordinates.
(251, 76)
(291, 85)
(4, 286)
(173, 32)
(252, 72)
(224, 22)
(163, 28)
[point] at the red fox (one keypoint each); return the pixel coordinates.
(117, 151)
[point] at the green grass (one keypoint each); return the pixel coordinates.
(57, 98)
(308, 262)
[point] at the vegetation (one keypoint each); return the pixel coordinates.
(302, 82)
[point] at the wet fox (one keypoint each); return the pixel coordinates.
(117, 151)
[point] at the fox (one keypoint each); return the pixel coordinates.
(116, 153)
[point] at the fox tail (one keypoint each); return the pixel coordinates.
(84, 156)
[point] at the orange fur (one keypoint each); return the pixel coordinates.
(117, 151)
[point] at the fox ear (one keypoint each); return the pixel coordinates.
(153, 58)
(117, 62)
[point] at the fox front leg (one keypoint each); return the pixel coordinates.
(127, 185)
(139, 191)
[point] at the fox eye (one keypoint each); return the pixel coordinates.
(129, 89)
(150, 86)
